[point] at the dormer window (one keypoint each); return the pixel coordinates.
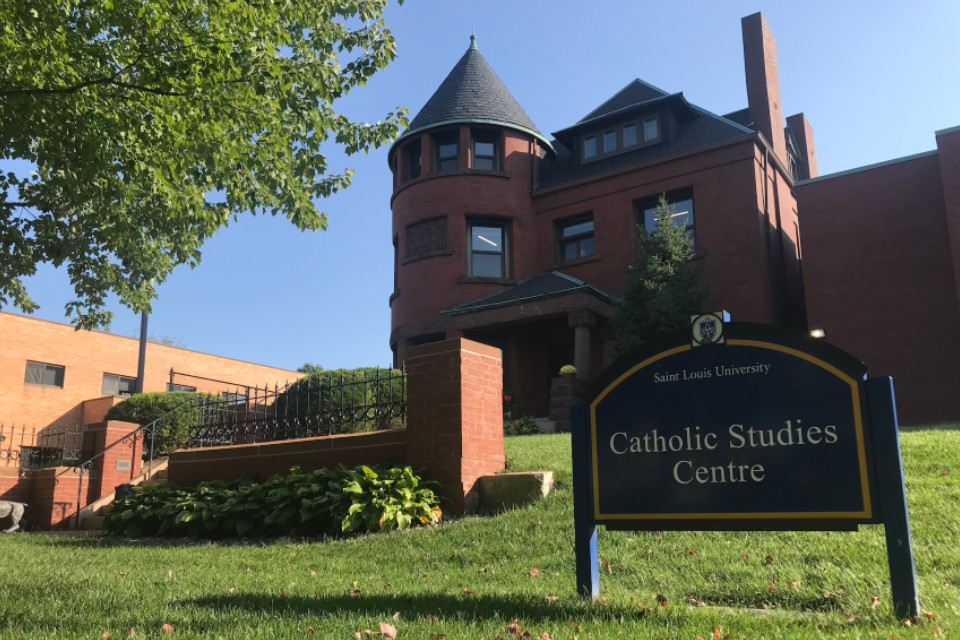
(589, 147)
(621, 138)
(610, 141)
(651, 129)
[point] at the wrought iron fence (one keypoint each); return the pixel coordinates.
(34, 448)
(321, 404)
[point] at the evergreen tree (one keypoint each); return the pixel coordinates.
(663, 289)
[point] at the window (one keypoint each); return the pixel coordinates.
(485, 151)
(487, 251)
(413, 160)
(173, 386)
(447, 153)
(651, 129)
(114, 385)
(681, 203)
(610, 141)
(575, 238)
(589, 147)
(48, 375)
(629, 134)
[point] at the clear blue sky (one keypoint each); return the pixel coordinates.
(874, 79)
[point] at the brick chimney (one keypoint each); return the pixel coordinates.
(763, 86)
(803, 135)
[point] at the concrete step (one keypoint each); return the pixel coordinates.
(153, 481)
(160, 475)
(92, 523)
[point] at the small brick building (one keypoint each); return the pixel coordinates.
(522, 241)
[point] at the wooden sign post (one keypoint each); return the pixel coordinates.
(739, 426)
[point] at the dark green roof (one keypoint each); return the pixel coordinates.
(473, 93)
(540, 286)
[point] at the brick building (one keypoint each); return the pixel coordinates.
(522, 241)
(51, 374)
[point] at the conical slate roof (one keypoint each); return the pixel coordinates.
(473, 93)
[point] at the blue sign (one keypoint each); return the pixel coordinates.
(738, 426)
(748, 430)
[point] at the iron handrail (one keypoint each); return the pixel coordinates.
(87, 464)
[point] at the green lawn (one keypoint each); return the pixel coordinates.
(473, 578)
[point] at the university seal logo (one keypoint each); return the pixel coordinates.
(707, 329)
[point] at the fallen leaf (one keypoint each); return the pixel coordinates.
(928, 615)
(468, 592)
(396, 615)
(357, 635)
(438, 636)
(793, 584)
(716, 632)
(772, 587)
(745, 556)
(692, 600)
(169, 574)
(388, 630)
(105, 634)
(551, 598)
(608, 567)
(283, 592)
(354, 593)
(662, 600)
(131, 632)
(874, 602)
(231, 590)
(514, 627)
(544, 636)
(166, 628)
(575, 625)
(311, 631)
(769, 559)
(313, 574)
(534, 572)
(692, 552)
(431, 617)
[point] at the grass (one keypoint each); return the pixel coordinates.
(471, 579)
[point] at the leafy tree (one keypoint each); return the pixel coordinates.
(149, 125)
(309, 368)
(664, 288)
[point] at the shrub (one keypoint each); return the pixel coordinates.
(347, 400)
(521, 427)
(323, 502)
(144, 408)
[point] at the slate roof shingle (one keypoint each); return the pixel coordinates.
(473, 92)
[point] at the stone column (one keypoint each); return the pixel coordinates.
(582, 321)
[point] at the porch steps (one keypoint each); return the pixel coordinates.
(92, 515)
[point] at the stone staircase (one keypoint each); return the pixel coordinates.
(92, 515)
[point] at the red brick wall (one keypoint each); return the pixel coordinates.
(455, 416)
(265, 459)
(427, 286)
(733, 219)
(122, 456)
(454, 431)
(880, 281)
(86, 356)
(54, 496)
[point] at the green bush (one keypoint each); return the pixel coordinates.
(522, 427)
(144, 408)
(347, 400)
(323, 502)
